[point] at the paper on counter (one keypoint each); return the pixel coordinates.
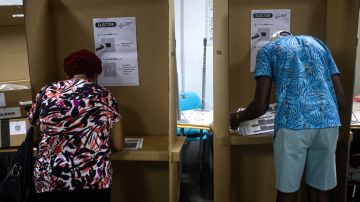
(133, 143)
(197, 116)
(261, 125)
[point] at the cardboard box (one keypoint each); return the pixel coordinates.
(13, 132)
(13, 102)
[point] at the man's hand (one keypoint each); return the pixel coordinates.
(234, 120)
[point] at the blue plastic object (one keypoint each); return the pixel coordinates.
(193, 134)
(189, 100)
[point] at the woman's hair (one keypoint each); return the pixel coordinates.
(82, 62)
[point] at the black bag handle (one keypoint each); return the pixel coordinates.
(30, 133)
(18, 183)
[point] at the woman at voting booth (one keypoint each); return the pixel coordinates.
(79, 125)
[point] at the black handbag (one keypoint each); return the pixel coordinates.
(18, 184)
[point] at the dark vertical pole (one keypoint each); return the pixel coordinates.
(204, 77)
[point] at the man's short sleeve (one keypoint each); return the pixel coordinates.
(263, 63)
(332, 66)
(333, 69)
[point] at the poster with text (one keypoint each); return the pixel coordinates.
(116, 45)
(264, 23)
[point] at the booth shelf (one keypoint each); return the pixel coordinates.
(236, 139)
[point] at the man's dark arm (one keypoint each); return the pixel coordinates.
(258, 106)
(340, 97)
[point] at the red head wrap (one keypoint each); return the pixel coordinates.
(82, 62)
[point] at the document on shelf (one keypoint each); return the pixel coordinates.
(355, 118)
(133, 143)
(261, 125)
(197, 116)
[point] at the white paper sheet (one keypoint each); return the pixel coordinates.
(196, 116)
(2, 100)
(355, 118)
(133, 143)
(209, 22)
(116, 45)
(264, 23)
(17, 127)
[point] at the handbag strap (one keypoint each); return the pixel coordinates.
(37, 108)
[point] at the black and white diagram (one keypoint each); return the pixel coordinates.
(264, 23)
(116, 45)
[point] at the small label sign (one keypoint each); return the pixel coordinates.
(9, 112)
(17, 127)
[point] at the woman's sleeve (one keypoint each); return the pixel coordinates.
(33, 106)
(114, 108)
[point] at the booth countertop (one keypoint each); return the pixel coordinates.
(236, 139)
(155, 148)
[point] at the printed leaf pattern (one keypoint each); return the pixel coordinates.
(301, 69)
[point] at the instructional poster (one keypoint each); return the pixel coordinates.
(264, 23)
(116, 46)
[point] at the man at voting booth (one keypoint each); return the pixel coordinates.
(309, 96)
(76, 116)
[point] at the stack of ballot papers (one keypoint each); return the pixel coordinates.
(261, 125)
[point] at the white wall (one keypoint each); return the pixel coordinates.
(357, 70)
(190, 25)
(11, 2)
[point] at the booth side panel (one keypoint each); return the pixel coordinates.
(40, 43)
(341, 38)
(221, 103)
(140, 181)
(13, 53)
(174, 176)
(252, 173)
(145, 108)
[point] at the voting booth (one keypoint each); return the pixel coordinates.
(13, 50)
(244, 165)
(14, 77)
(56, 28)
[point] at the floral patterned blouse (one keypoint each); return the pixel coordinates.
(75, 121)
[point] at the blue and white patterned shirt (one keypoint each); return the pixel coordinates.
(301, 69)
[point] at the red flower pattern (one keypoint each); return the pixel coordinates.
(75, 121)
